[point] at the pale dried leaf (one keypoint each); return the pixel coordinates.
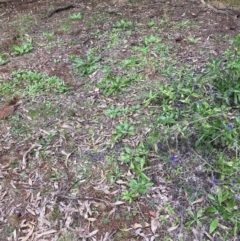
(91, 219)
(118, 203)
(121, 182)
(136, 225)
(173, 228)
(68, 221)
(46, 233)
(154, 225)
(198, 200)
(92, 234)
(111, 212)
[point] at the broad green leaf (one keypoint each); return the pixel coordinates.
(199, 213)
(213, 225)
(210, 210)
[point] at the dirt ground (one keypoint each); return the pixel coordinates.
(44, 159)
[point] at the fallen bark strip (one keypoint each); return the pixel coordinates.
(60, 9)
(228, 12)
(4, 63)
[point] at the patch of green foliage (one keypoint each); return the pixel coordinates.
(22, 49)
(114, 111)
(113, 84)
(204, 110)
(87, 65)
(122, 24)
(25, 82)
(136, 158)
(75, 16)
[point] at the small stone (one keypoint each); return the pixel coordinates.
(177, 37)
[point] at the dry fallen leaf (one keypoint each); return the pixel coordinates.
(154, 225)
(198, 200)
(136, 225)
(152, 213)
(8, 108)
(172, 228)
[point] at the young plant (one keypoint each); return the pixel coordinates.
(113, 84)
(122, 130)
(196, 218)
(87, 66)
(49, 36)
(32, 83)
(151, 40)
(122, 24)
(224, 204)
(75, 16)
(22, 49)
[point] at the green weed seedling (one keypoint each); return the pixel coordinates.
(184, 24)
(128, 196)
(2, 59)
(32, 83)
(151, 23)
(56, 175)
(141, 49)
(105, 221)
(193, 40)
(113, 84)
(137, 161)
(122, 130)
(139, 186)
(22, 49)
(136, 187)
(196, 218)
(227, 168)
(49, 36)
(151, 40)
(224, 204)
(122, 24)
(113, 39)
(115, 111)
(75, 16)
(86, 66)
(128, 63)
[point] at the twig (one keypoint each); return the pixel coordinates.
(85, 199)
(140, 211)
(226, 11)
